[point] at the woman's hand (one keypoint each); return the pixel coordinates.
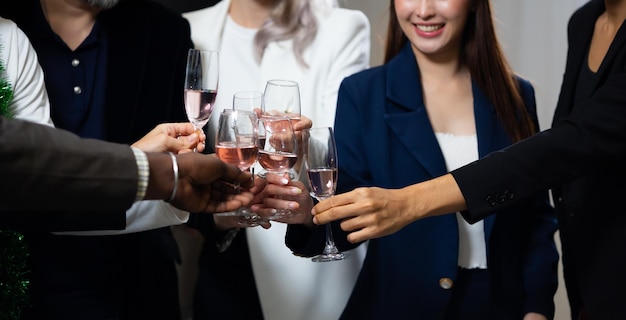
(282, 193)
(172, 137)
(376, 212)
(365, 212)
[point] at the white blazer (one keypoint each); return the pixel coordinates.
(291, 287)
(341, 48)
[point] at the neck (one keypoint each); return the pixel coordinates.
(615, 13)
(251, 13)
(440, 67)
(72, 20)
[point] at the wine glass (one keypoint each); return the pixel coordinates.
(248, 101)
(201, 80)
(252, 101)
(237, 143)
(320, 163)
(279, 153)
(282, 98)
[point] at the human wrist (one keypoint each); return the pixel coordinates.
(161, 177)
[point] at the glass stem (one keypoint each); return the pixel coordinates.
(330, 247)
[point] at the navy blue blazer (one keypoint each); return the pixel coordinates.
(582, 159)
(384, 138)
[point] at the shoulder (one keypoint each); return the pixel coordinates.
(156, 13)
(524, 83)
(367, 79)
(7, 27)
(346, 19)
(12, 39)
(203, 16)
(585, 15)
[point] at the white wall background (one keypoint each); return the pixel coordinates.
(534, 36)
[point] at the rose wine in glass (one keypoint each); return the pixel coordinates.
(320, 163)
(279, 154)
(252, 101)
(201, 80)
(237, 143)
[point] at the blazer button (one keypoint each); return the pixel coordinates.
(446, 283)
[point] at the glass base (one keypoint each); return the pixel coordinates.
(326, 257)
(247, 218)
(281, 214)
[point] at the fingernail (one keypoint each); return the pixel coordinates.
(296, 191)
(315, 220)
(192, 137)
(284, 181)
(293, 205)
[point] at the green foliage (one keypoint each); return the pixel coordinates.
(13, 250)
(13, 280)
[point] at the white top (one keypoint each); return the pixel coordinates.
(22, 71)
(238, 71)
(457, 152)
(30, 102)
(292, 287)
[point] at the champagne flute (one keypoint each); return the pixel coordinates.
(236, 143)
(279, 153)
(282, 98)
(320, 163)
(201, 81)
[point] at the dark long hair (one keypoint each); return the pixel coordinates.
(482, 54)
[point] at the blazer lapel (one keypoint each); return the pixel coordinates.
(406, 114)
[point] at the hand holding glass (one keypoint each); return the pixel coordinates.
(279, 153)
(201, 80)
(237, 143)
(320, 163)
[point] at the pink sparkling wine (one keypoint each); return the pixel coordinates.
(243, 156)
(199, 105)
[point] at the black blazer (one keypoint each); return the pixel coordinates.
(147, 51)
(36, 159)
(581, 159)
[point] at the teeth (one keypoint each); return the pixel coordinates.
(429, 28)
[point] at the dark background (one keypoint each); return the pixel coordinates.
(181, 6)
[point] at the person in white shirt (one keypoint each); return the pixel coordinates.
(317, 45)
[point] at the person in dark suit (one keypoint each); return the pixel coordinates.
(445, 97)
(113, 71)
(580, 158)
(55, 180)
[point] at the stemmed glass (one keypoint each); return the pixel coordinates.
(252, 101)
(320, 163)
(248, 101)
(282, 98)
(237, 143)
(279, 153)
(201, 80)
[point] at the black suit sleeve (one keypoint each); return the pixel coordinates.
(51, 170)
(591, 136)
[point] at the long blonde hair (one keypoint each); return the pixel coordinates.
(290, 20)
